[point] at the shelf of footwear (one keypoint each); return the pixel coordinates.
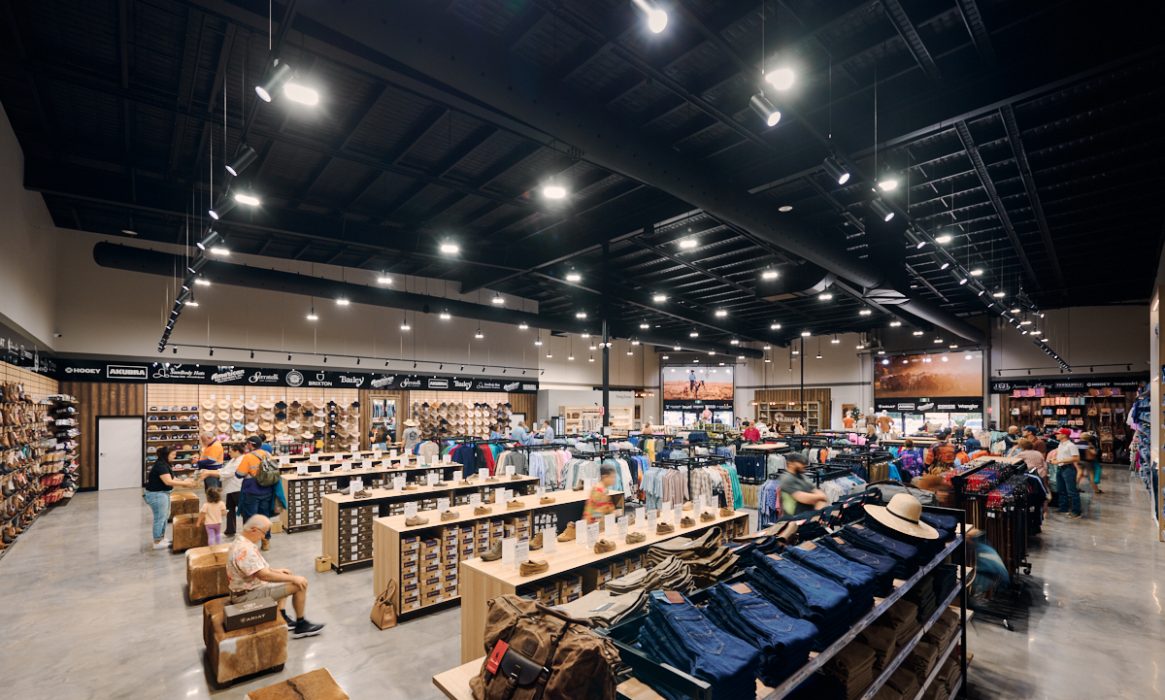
(482, 581)
(397, 547)
(347, 519)
(305, 493)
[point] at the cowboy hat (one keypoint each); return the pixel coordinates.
(224, 403)
(296, 404)
(267, 404)
(237, 415)
(266, 426)
(251, 406)
(318, 422)
(237, 437)
(224, 415)
(237, 404)
(251, 427)
(902, 514)
(307, 435)
(208, 427)
(222, 426)
(293, 425)
(208, 404)
(411, 423)
(281, 404)
(281, 415)
(267, 415)
(237, 426)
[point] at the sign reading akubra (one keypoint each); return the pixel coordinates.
(230, 375)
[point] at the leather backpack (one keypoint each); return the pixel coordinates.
(535, 652)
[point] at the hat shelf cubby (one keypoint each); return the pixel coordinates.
(172, 420)
(471, 414)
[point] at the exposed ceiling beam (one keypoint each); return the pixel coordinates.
(911, 37)
(977, 29)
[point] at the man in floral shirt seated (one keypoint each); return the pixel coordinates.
(250, 577)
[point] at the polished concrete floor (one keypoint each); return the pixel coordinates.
(90, 611)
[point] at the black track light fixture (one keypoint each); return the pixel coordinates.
(212, 352)
(252, 354)
(243, 159)
(836, 170)
(884, 212)
(196, 265)
(208, 240)
(765, 109)
(222, 207)
(279, 74)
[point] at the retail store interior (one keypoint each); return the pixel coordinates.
(581, 348)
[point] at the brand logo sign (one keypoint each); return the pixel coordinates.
(258, 377)
(82, 370)
(410, 384)
(437, 383)
(127, 372)
(465, 384)
(348, 380)
(382, 382)
(294, 378)
(228, 376)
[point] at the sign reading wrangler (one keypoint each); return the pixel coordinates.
(232, 375)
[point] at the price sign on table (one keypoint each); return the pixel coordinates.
(442, 505)
(592, 534)
(398, 482)
(366, 464)
(475, 499)
(609, 524)
(521, 552)
(284, 460)
(666, 507)
(509, 545)
(549, 540)
(410, 509)
(447, 458)
(651, 518)
(482, 474)
(314, 457)
(677, 514)
(301, 468)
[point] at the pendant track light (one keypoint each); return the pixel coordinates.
(211, 238)
(279, 74)
(222, 207)
(243, 159)
(836, 170)
(765, 109)
(884, 212)
(656, 17)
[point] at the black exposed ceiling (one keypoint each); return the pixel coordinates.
(1026, 128)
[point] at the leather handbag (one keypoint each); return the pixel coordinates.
(535, 652)
(384, 609)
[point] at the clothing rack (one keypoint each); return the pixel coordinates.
(700, 461)
(1006, 528)
(826, 473)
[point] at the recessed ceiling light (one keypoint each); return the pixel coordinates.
(977, 272)
(711, 353)
(769, 274)
(785, 208)
(865, 312)
(445, 316)
(585, 334)
(497, 300)
(938, 341)
(943, 238)
(644, 326)
(688, 243)
(553, 191)
(523, 326)
(694, 334)
(580, 314)
(895, 324)
(881, 352)
(825, 296)
(665, 357)
(659, 298)
(774, 326)
(342, 302)
(573, 276)
(805, 334)
(917, 332)
(449, 248)
(383, 279)
(721, 313)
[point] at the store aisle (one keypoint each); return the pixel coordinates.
(89, 611)
(1096, 628)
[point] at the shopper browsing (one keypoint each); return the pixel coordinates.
(1038, 443)
(211, 457)
(230, 484)
(1084, 485)
(1031, 457)
(250, 577)
(211, 514)
(798, 494)
(599, 502)
(411, 435)
(159, 484)
(547, 432)
(971, 444)
(1067, 460)
(750, 432)
(258, 490)
(519, 433)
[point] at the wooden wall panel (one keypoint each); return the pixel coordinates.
(525, 403)
(782, 396)
(100, 399)
(38, 385)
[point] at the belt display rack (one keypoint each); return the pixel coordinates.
(305, 492)
(400, 551)
(1005, 521)
(347, 520)
(482, 581)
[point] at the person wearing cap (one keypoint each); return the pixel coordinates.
(411, 435)
(1038, 443)
(799, 494)
(229, 482)
(255, 499)
(1067, 458)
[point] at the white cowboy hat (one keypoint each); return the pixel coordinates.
(902, 514)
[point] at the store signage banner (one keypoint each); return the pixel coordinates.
(231, 375)
(944, 382)
(1071, 383)
(927, 404)
(696, 387)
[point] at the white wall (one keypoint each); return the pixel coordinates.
(27, 272)
(1083, 336)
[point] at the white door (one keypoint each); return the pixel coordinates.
(119, 453)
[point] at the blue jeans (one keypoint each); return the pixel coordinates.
(882, 564)
(784, 641)
(680, 634)
(859, 579)
(159, 502)
(252, 504)
(1066, 488)
(905, 554)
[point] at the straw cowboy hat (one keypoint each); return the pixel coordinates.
(224, 415)
(208, 404)
(224, 404)
(252, 427)
(307, 435)
(902, 514)
(267, 404)
(411, 423)
(237, 404)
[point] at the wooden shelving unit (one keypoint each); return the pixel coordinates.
(586, 419)
(780, 416)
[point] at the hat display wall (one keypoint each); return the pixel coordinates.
(252, 427)
(223, 404)
(208, 404)
(237, 404)
(251, 405)
(903, 514)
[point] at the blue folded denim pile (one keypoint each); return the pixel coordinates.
(882, 564)
(907, 556)
(945, 524)
(678, 633)
(804, 593)
(859, 580)
(784, 641)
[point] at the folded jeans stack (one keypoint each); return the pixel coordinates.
(803, 593)
(853, 667)
(602, 608)
(904, 554)
(922, 659)
(924, 597)
(883, 639)
(708, 560)
(678, 633)
(903, 684)
(945, 628)
(859, 580)
(784, 642)
(882, 564)
(670, 574)
(945, 524)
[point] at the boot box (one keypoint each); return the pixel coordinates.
(187, 533)
(183, 503)
(313, 685)
(243, 652)
(248, 614)
(206, 572)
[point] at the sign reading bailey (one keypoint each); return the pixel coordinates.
(231, 375)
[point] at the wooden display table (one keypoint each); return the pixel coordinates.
(764, 446)
(455, 683)
(305, 492)
(398, 548)
(347, 520)
(482, 581)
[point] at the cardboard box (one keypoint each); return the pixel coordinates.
(244, 652)
(248, 614)
(183, 503)
(323, 563)
(313, 685)
(187, 533)
(206, 572)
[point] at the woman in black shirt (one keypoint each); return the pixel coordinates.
(159, 484)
